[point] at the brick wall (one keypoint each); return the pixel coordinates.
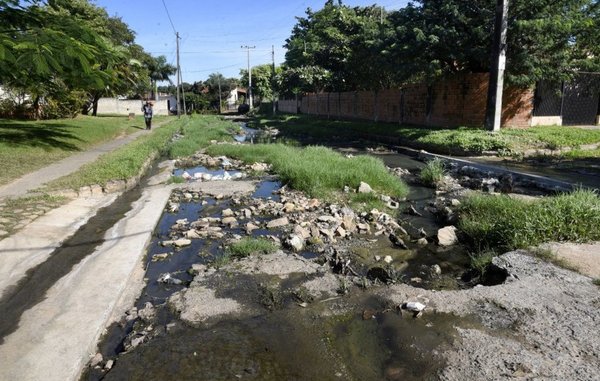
(455, 101)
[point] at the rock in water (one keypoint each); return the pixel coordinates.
(169, 279)
(415, 307)
(397, 241)
(295, 242)
(380, 274)
(413, 212)
(277, 223)
(447, 236)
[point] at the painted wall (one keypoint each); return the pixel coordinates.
(124, 107)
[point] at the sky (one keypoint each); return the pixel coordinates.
(213, 32)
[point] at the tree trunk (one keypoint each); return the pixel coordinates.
(95, 104)
(35, 106)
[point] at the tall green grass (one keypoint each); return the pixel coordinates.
(433, 172)
(127, 161)
(503, 223)
(315, 170)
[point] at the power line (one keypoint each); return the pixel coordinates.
(216, 68)
(169, 16)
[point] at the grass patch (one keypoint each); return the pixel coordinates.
(364, 202)
(199, 132)
(504, 223)
(581, 154)
(221, 261)
(247, 246)
(33, 201)
(457, 141)
(596, 281)
(548, 255)
(317, 171)
(481, 260)
(433, 172)
(26, 146)
(127, 161)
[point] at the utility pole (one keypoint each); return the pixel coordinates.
(220, 101)
(178, 78)
(249, 75)
(498, 62)
(273, 80)
(183, 94)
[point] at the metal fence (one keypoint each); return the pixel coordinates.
(577, 101)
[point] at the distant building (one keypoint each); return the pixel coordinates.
(235, 98)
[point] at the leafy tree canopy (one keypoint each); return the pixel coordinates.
(366, 47)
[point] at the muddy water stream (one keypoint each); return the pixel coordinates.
(328, 340)
(299, 344)
(349, 337)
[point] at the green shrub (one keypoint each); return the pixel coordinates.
(505, 223)
(433, 172)
(247, 246)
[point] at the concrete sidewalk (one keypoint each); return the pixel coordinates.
(57, 336)
(36, 179)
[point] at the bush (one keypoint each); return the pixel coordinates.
(505, 223)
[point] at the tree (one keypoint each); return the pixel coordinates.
(52, 49)
(262, 81)
(345, 42)
(159, 70)
(367, 48)
(547, 39)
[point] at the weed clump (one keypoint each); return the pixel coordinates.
(247, 246)
(506, 223)
(433, 173)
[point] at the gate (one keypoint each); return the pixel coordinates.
(581, 97)
(577, 101)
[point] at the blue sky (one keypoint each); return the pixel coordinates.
(212, 32)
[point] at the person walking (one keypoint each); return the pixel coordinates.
(147, 110)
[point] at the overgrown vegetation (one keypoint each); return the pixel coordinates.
(247, 246)
(26, 146)
(433, 172)
(317, 171)
(126, 162)
(502, 223)
(458, 141)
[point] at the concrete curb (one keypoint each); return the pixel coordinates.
(542, 182)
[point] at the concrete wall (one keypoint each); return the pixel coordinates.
(456, 101)
(546, 120)
(124, 107)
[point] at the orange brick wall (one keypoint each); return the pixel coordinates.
(455, 101)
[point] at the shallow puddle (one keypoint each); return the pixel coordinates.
(300, 344)
(215, 174)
